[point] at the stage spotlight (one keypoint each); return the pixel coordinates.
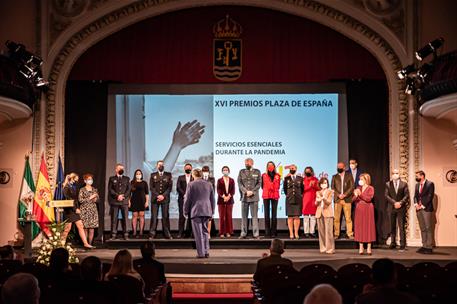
(406, 71)
(410, 86)
(41, 82)
(424, 71)
(430, 48)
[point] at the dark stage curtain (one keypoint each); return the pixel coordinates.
(368, 114)
(85, 134)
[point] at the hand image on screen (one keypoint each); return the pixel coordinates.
(183, 136)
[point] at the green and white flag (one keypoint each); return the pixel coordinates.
(26, 197)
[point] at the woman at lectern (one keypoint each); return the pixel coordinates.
(271, 182)
(88, 198)
(73, 214)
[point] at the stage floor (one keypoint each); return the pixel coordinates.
(243, 261)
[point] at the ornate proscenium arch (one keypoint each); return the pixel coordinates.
(77, 38)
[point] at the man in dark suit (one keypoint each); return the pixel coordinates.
(274, 259)
(118, 199)
(207, 177)
(343, 187)
(355, 171)
(199, 207)
(423, 201)
(181, 186)
(160, 185)
(397, 197)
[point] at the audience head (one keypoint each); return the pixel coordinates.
(340, 167)
(225, 170)
(309, 171)
(119, 169)
(21, 288)
(91, 269)
(420, 176)
(395, 174)
(323, 183)
(383, 272)
(248, 163)
(271, 167)
(277, 247)
(122, 263)
(188, 168)
(323, 294)
(58, 261)
(197, 173)
(148, 251)
(365, 179)
(7, 252)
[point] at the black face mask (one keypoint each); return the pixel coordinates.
(161, 168)
(308, 174)
(248, 167)
(120, 172)
(418, 179)
(188, 171)
(340, 170)
(292, 171)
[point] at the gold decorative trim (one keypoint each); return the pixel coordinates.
(315, 7)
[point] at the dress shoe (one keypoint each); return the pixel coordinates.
(350, 237)
(126, 236)
(200, 257)
(420, 250)
(169, 237)
(392, 246)
(402, 248)
(427, 251)
(307, 235)
(242, 237)
(112, 238)
(179, 236)
(152, 236)
(207, 255)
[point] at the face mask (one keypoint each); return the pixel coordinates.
(271, 168)
(324, 186)
(120, 172)
(308, 174)
(361, 183)
(205, 174)
(418, 179)
(71, 182)
(161, 168)
(353, 166)
(139, 176)
(226, 173)
(248, 167)
(89, 182)
(188, 171)
(292, 171)
(340, 170)
(395, 176)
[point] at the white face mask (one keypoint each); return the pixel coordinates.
(226, 173)
(205, 174)
(139, 176)
(324, 186)
(89, 182)
(395, 176)
(361, 182)
(353, 166)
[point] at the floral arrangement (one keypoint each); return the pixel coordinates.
(55, 241)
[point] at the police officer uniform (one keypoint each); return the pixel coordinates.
(160, 183)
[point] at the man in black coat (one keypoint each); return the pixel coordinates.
(423, 201)
(181, 186)
(160, 185)
(397, 197)
(274, 259)
(118, 198)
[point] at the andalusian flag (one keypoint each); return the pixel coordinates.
(26, 197)
(44, 214)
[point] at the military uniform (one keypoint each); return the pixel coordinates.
(160, 184)
(119, 185)
(249, 180)
(293, 188)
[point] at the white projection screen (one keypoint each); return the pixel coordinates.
(219, 124)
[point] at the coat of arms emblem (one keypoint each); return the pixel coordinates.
(227, 63)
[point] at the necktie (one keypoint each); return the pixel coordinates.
(396, 186)
(421, 186)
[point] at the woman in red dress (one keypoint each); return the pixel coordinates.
(225, 192)
(365, 231)
(311, 186)
(270, 193)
